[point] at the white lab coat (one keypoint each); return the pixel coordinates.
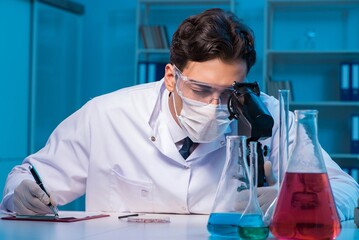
(117, 150)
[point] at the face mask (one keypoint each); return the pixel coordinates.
(202, 122)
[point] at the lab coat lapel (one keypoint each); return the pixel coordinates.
(165, 144)
(160, 134)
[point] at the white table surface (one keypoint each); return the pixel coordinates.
(181, 227)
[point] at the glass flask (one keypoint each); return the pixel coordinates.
(305, 207)
(251, 225)
(228, 205)
(283, 133)
(283, 96)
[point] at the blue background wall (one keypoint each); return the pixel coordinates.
(109, 43)
(14, 83)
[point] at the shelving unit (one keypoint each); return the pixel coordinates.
(169, 13)
(305, 43)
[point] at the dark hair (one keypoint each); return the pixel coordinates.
(212, 34)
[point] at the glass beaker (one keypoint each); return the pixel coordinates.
(305, 207)
(251, 225)
(228, 204)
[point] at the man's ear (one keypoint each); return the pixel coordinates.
(170, 81)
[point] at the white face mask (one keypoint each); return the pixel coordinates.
(202, 123)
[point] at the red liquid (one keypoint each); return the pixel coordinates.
(305, 208)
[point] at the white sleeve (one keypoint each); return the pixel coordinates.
(62, 163)
(15, 177)
(345, 188)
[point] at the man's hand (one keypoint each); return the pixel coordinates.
(266, 195)
(30, 199)
(268, 172)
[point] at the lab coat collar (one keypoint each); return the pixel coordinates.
(158, 91)
(160, 134)
(176, 131)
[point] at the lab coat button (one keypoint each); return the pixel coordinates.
(223, 143)
(185, 166)
(153, 138)
(184, 208)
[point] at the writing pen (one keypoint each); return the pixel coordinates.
(37, 178)
(128, 215)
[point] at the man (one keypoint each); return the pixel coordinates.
(122, 149)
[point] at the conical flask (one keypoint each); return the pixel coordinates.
(251, 225)
(228, 205)
(305, 207)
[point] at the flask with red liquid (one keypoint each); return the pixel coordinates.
(305, 208)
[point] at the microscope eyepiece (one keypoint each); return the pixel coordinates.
(245, 102)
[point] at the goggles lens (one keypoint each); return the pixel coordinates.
(199, 91)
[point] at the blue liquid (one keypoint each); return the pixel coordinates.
(252, 227)
(224, 224)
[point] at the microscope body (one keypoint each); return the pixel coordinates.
(254, 119)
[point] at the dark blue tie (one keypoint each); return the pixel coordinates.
(185, 149)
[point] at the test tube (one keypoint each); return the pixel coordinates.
(283, 95)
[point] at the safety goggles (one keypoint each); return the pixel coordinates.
(201, 92)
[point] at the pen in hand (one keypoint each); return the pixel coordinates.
(41, 185)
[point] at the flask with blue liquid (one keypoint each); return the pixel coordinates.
(251, 224)
(232, 192)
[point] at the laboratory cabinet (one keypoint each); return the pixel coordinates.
(165, 15)
(306, 43)
(40, 72)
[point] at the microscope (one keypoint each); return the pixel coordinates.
(254, 119)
